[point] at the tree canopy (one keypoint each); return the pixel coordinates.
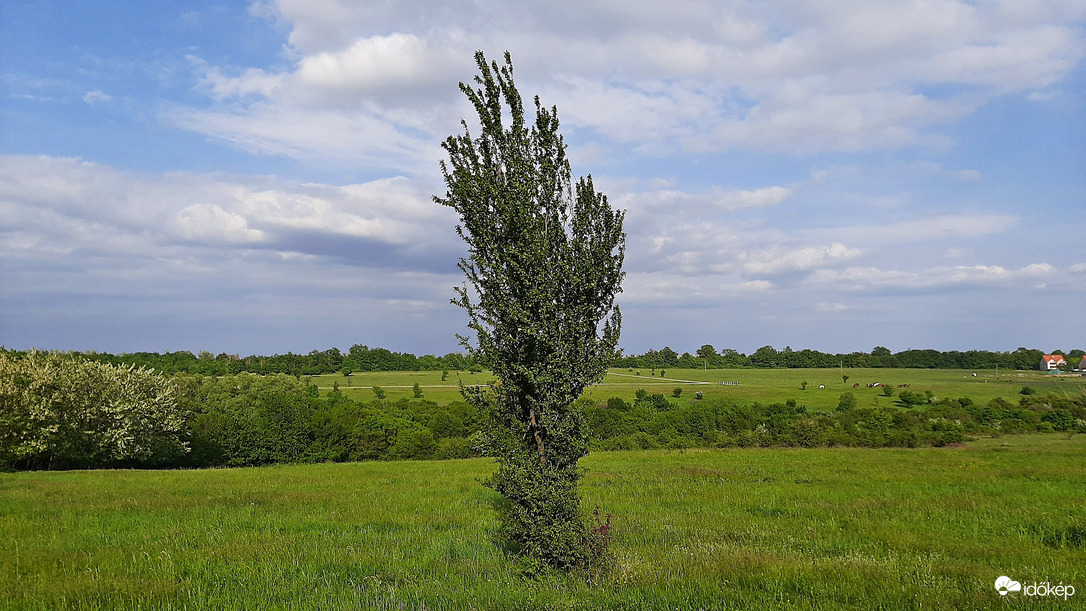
(543, 269)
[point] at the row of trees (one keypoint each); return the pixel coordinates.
(362, 358)
(59, 412)
(768, 356)
(359, 358)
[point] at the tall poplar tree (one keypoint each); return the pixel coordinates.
(543, 268)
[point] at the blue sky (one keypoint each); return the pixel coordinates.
(256, 177)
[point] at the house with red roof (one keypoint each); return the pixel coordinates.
(1052, 361)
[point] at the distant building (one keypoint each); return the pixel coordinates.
(1082, 364)
(1052, 361)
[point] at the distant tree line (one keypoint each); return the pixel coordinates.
(362, 358)
(358, 359)
(62, 412)
(769, 357)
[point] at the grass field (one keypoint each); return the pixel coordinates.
(763, 385)
(751, 528)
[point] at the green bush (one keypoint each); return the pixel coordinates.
(846, 402)
(454, 447)
(616, 403)
(57, 411)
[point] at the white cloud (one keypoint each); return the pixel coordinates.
(101, 210)
(211, 224)
(938, 227)
(677, 289)
(314, 135)
(758, 198)
(822, 306)
(778, 261)
(829, 121)
(875, 279)
(674, 200)
(96, 97)
(699, 75)
(374, 65)
(754, 285)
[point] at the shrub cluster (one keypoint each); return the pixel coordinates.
(254, 420)
(645, 424)
(60, 412)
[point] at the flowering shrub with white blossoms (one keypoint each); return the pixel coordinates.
(57, 411)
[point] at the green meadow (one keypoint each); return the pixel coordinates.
(695, 529)
(754, 385)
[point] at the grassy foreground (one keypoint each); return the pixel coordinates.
(752, 528)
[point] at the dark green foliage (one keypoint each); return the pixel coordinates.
(847, 402)
(544, 266)
(768, 357)
(1061, 419)
(417, 390)
(445, 424)
(616, 403)
(908, 398)
(378, 392)
(654, 401)
(251, 420)
(677, 392)
(245, 419)
(715, 423)
(363, 358)
(1026, 390)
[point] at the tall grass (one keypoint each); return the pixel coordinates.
(757, 529)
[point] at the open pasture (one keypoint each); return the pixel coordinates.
(762, 385)
(705, 529)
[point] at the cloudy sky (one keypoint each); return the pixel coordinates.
(257, 177)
